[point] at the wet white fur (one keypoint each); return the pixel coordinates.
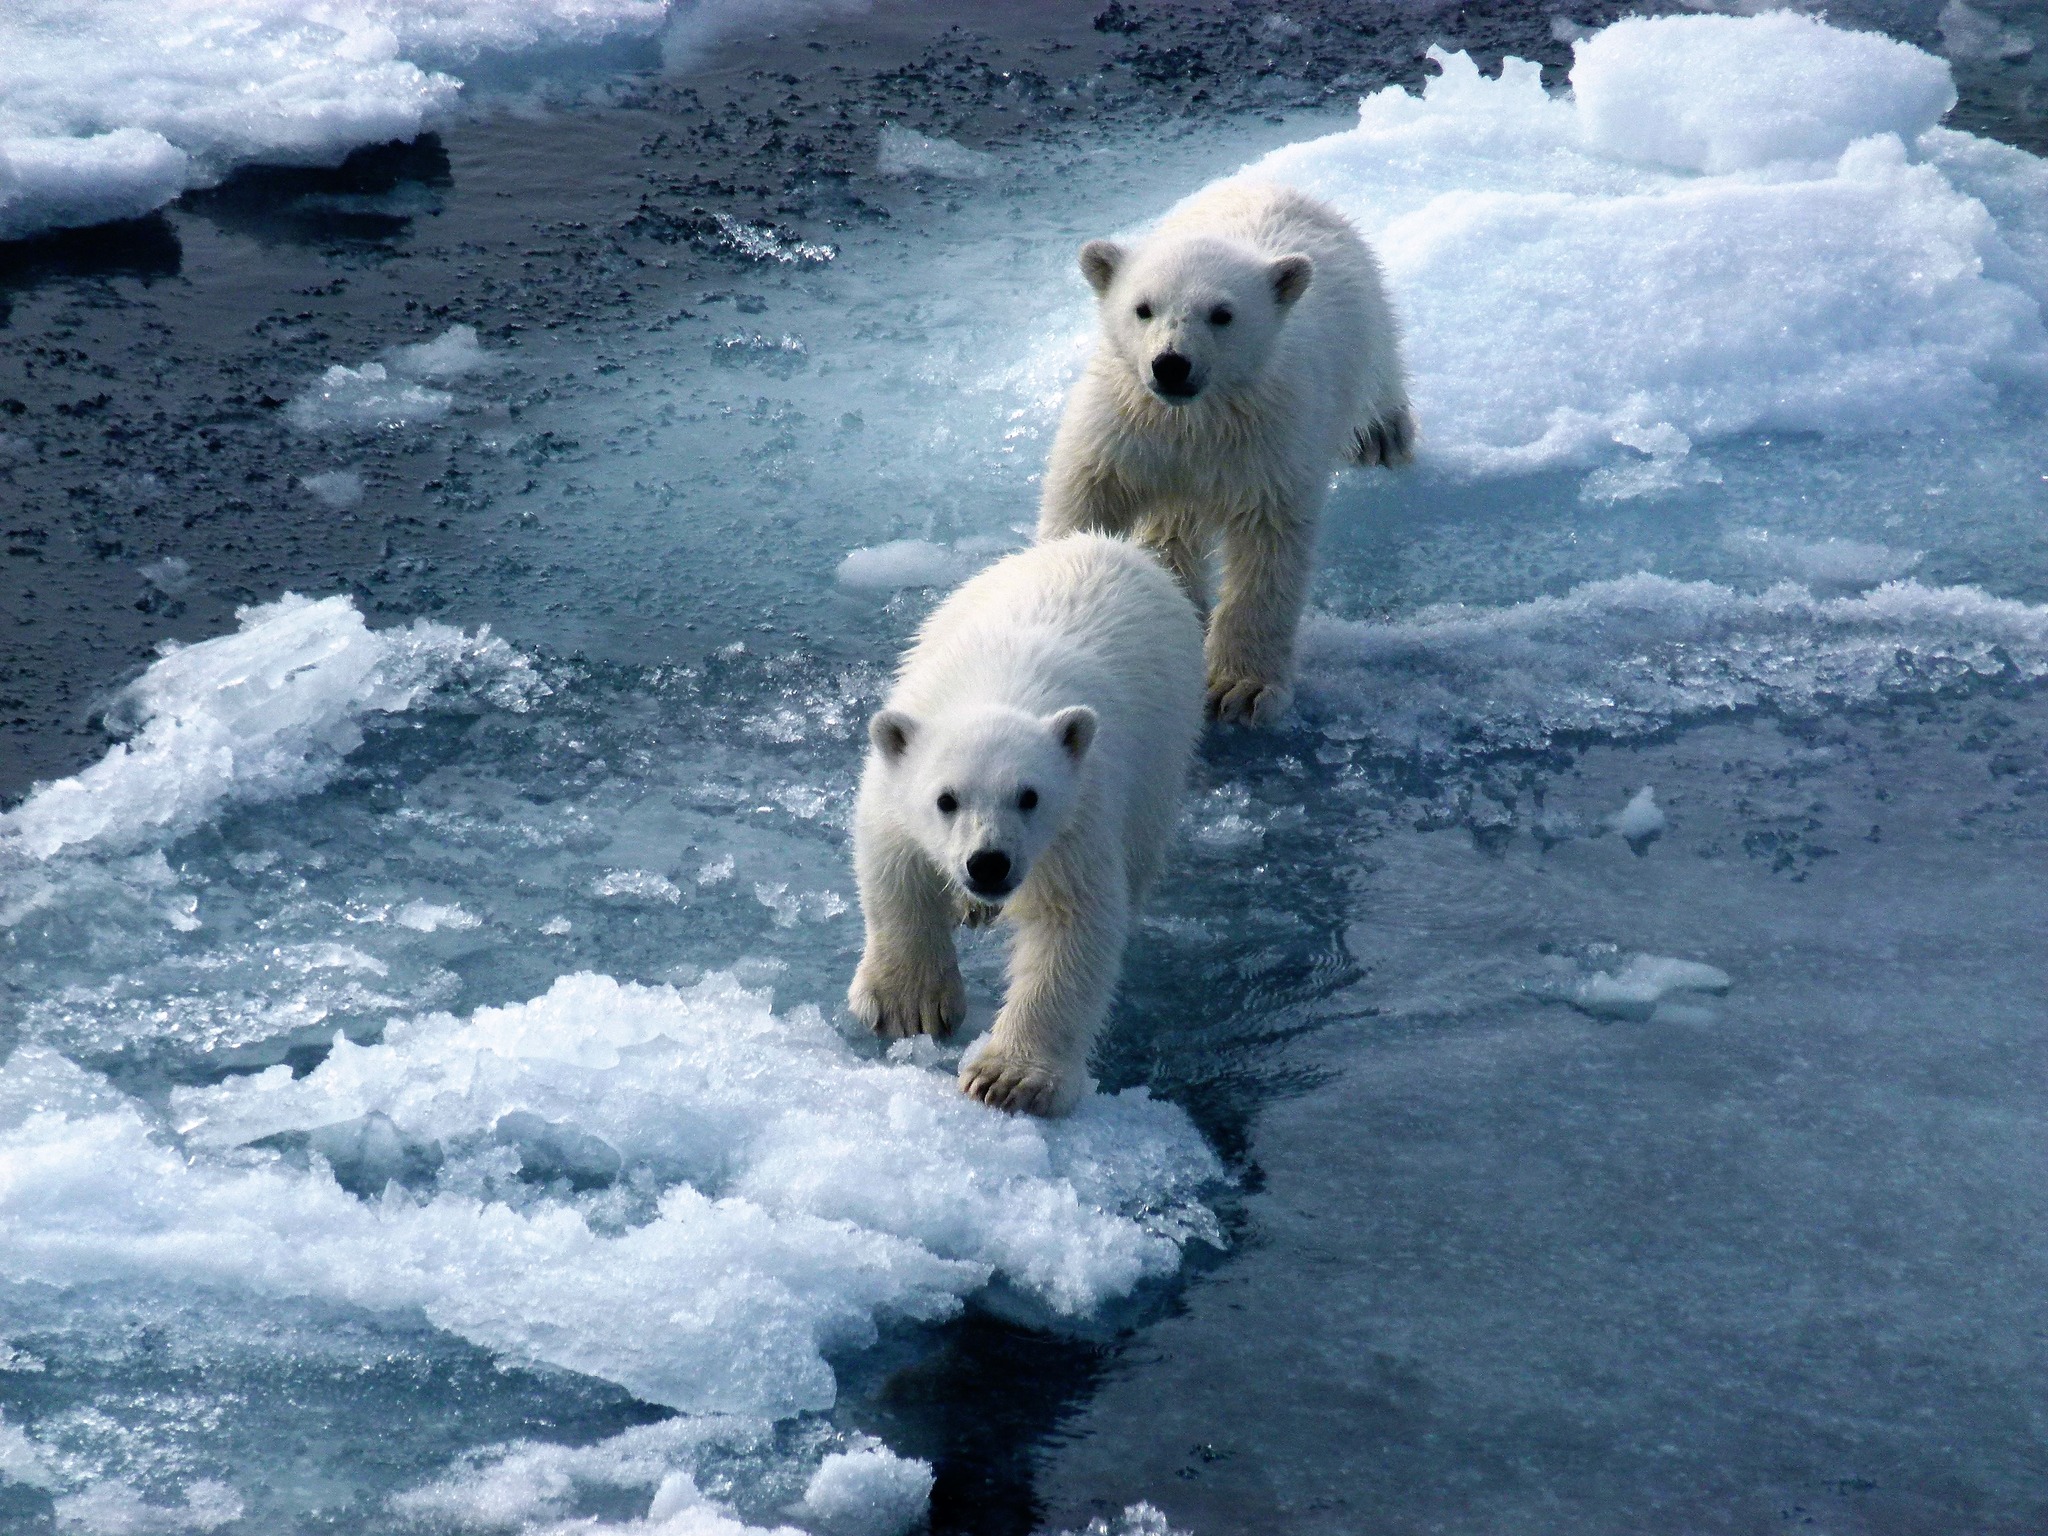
(1073, 668)
(1301, 380)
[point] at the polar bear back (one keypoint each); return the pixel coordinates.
(1086, 619)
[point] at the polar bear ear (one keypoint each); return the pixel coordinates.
(891, 731)
(1099, 261)
(1290, 277)
(1074, 730)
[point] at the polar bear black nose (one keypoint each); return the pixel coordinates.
(1170, 371)
(989, 872)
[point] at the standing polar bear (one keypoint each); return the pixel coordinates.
(1246, 351)
(1027, 767)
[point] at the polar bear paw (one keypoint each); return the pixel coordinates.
(1247, 700)
(897, 1001)
(1016, 1084)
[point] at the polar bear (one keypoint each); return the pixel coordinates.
(1027, 768)
(1246, 350)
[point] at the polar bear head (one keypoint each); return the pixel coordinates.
(1192, 316)
(985, 791)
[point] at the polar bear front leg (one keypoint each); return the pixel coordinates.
(1063, 973)
(1250, 649)
(908, 981)
(1082, 497)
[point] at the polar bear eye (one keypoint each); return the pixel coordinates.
(1144, 311)
(1027, 800)
(947, 804)
(1221, 315)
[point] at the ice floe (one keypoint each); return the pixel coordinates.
(1728, 225)
(267, 712)
(1627, 657)
(111, 108)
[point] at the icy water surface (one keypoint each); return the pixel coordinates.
(1581, 1074)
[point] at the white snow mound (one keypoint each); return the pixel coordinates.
(1731, 225)
(110, 108)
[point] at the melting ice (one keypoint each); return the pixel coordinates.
(420, 981)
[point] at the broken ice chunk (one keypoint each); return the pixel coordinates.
(1638, 987)
(1641, 822)
(550, 1150)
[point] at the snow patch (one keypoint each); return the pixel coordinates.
(869, 1491)
(1733, 224)
(112, 108)
(1731, 93)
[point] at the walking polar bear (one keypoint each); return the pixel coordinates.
(1028, 767)
(1246, 350)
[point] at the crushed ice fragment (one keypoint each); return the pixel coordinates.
(868, 1491)
(643, 883)
(170, 575)
(336, 488)
(368, 398)
(368, 1153)
(1140, 1519)
(1635, 991)
(759, 244)
(1977, 37)
(914, 563)
(21, 1459)
(905, 152)
(428, 917)
(1640, 822)
(550, 1150)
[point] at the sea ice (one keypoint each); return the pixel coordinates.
(906, 152)
(1727, 93)
(267, 712)
(1627, 657)
(1645, 981)
(336, 488)
(1641, 820)
(1730, 225)
(914, 563)
(867, 1491)
(111, 108)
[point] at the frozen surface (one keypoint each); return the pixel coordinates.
(1730, 226)
(906, 152)
(1636, 909)
(261, 715)
(110, 108)
(384, 396)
